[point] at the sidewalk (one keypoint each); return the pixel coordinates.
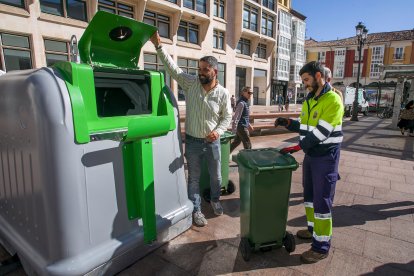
(373, 217)
(373, 214)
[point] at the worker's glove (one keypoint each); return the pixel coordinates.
(282, 122)
(290, 149)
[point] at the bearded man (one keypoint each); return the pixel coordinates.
(320, 130)
(208, 115)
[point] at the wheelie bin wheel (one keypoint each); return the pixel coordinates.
(245, 249)
(289, 242)
(231, 187)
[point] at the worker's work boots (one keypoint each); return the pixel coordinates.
(304, 234)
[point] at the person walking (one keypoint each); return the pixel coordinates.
(287, 103)
(320, 130)
(406, 118)
(233, 103)
(208, 115)
(280, 102)
(241, 121)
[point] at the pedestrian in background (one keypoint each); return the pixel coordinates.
(406, 118)
(233, 102)
(208, 116)
(320, 130)
(287, 103)
(241, 121)
(280, 102)
(328, 78)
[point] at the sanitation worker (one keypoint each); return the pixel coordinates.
(320, 130)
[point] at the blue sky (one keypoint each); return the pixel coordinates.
(329, 20)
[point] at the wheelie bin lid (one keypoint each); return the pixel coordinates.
(227, 135)
(266, 159)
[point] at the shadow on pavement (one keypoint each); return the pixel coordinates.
(390, 269)
(360, 214)
(231, 207)
(223, 256)
(293, 201)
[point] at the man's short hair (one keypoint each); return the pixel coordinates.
(328, 74)
(245, 89)
(212, 61)
(312, 68)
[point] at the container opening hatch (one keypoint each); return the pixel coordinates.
(122, 97)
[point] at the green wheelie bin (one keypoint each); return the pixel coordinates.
(265, 179)
(227, 186)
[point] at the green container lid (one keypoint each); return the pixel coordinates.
(266, 159)
(111, 40)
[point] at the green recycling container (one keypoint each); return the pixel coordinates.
(226, 184)
(265, 179)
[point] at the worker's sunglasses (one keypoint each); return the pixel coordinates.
(250, 93)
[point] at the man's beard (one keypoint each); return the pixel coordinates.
(313, 88)
(205, 79)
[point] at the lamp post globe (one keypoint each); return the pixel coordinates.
(361, 34)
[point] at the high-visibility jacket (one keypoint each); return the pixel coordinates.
(320, 123)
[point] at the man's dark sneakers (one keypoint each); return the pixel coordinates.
(304, 234)
(217, 209)
(311, 257)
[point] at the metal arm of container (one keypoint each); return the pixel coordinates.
(74, 51)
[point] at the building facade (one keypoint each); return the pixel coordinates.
(290, 54)
(242, 35)
(379, 50)
(297, 55)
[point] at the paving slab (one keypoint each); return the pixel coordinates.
(391, 195)
(367, 180)
(343, 264)
(350, 239)
(343, 198)
(355, 188)
(389, 250)
(402, 187)
(402, 229)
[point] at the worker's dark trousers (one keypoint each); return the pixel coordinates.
(319, 180)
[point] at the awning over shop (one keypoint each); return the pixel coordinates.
(398, 71)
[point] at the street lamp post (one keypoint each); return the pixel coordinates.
(361, 33)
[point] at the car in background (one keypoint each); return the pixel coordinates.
(300, 100)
